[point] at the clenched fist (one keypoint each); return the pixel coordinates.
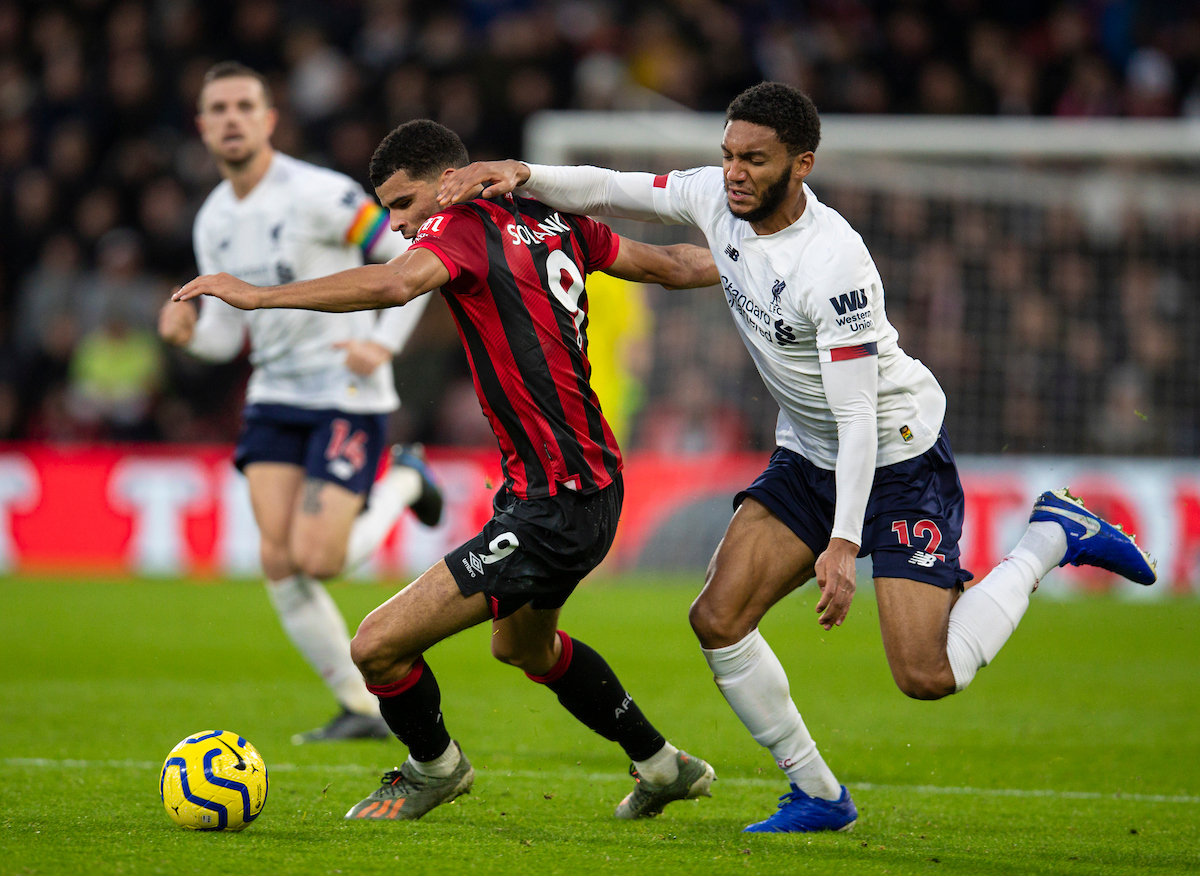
(177, 322)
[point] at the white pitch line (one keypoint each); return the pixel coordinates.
(567, 774)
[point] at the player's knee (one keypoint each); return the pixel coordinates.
(923, 683)
(319, 559)
(370, 653)
(276, 560)
(714, 628)
(521, 655)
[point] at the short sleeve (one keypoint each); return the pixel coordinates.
(689, 197)
(600, 244)
(845, 297)
(455, 236)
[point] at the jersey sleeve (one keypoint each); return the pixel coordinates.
(456, 237)
(342, 214)
(204, 248)
(682, 197)
(845, 294)
(600, 243)
(689, 197)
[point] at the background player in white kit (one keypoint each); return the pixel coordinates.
(863, 464)
(322, 385)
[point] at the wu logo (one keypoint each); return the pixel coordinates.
(852, 300)
(777, 289)
(731, 252)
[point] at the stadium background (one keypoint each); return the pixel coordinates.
(1067, 345)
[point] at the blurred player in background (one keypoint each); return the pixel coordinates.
(863, 466)
(512, 272)
(322, 387)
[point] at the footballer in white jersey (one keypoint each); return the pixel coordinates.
(863, 464)
(314, 426)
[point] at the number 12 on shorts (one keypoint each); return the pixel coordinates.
(921, 529)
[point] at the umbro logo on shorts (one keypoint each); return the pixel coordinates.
(922, 559)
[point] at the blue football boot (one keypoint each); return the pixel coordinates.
(800, 813)
(428, 506)
(1093, 541)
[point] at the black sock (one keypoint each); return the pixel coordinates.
(412, 708)
(589, 689)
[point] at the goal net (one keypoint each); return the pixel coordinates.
(1047, 272)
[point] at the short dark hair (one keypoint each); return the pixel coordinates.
(421, 148)
(788, 111)
(231, 69)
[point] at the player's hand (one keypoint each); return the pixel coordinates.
(483, 179)
(836, 578)
(363, 357)
(228, 288)
(177, 322)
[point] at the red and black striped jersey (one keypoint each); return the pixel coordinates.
(517, 295)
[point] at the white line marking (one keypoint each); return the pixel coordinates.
(561, 774)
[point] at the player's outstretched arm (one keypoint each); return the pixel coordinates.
(682, 266)
(367, 288)
(583, 190)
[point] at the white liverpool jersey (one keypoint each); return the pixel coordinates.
(300, 222)
(807, 294)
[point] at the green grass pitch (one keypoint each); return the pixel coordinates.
(1077, 752)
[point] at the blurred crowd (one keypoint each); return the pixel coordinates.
(101, 174)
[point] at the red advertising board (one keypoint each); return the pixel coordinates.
(169, 510)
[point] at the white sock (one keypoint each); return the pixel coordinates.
(660, 768)
(988, 613)
(753, 682)
(441, 766)
(316, 627)
(394, 492)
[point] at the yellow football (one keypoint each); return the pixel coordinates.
(213, 780)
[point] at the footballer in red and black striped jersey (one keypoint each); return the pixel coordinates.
(512, 271)
(518, 297)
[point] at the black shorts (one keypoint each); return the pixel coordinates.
(913, 520)
(536, 551)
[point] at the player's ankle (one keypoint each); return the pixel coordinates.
(661, 768)
(441, 766)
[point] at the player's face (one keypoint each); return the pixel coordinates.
(235, 121)
(409, 202)
(759, 173)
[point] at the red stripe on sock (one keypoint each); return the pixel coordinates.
(398, 687)
(660, 181)
(560, 668)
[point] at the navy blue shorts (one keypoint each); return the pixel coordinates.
(914, 514)
(330, 445)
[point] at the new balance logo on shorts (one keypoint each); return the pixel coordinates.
(922, 559)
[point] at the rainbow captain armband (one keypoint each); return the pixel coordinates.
(368, 226)
(858, 351)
